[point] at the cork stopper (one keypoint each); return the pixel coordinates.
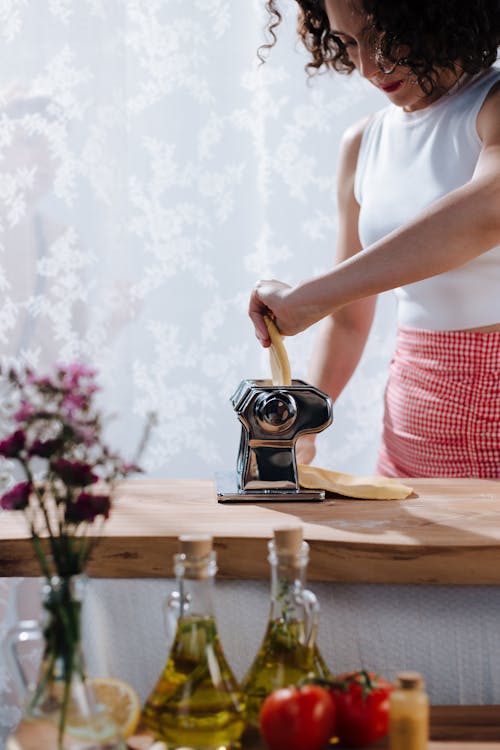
(288, 539)
(195, 545)
(410, 681)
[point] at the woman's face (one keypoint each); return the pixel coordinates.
(354, 29)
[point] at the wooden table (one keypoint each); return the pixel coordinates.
(451, 728)
(447, 532)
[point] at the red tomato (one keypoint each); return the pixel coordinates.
(298, 718)
(362, 707)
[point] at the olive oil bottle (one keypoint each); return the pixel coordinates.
(288, 651)
(196, 702)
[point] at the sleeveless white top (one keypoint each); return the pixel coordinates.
(408, 160)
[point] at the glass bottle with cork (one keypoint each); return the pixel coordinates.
(288, 651)
(196, 702)
(409, 713)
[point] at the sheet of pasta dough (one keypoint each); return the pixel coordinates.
(278, 357)
(313, 477)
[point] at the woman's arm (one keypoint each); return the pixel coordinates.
(452, 231)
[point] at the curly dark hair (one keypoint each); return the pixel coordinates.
(435, 34)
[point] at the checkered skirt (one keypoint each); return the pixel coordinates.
(442, 406)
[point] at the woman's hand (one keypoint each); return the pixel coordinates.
(281, 302)
(266, 299)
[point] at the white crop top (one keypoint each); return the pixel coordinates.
(407, 160)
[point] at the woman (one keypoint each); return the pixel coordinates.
(419, 212)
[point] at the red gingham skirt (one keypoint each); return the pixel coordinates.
(442, 406)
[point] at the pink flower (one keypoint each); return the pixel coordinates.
(72, 374)
(76, 370)
(16, 498)
(11, 446)
(25, 411)
(74, 472)
(87, 507)
(86, 433)
(43, 381)
(75, 401)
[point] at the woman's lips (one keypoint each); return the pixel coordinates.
(390, 88)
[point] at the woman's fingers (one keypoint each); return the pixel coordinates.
(257, 310)
(265, 300)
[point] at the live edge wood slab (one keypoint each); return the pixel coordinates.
(451, 728)
(447, 532)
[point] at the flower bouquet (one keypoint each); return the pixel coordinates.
(66, 476)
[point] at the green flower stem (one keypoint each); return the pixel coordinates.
(35, 540)
(47, 676)
(62, 637)
(66, 695)
(40, 495)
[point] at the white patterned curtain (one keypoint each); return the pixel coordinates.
(150, 172)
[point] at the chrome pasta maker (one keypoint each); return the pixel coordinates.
(272, 419)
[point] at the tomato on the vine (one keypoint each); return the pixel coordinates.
(362, 707)
(298, 718)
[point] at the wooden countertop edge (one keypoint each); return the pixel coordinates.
(448, 535)
(451, 728)
(246, 559)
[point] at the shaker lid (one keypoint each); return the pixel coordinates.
(410, 680)
(196, 545)
(288, 539)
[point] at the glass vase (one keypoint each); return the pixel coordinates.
(60, 709)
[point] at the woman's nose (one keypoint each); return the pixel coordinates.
(367, 66)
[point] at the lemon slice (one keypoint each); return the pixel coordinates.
(121, 701)
(280, 365)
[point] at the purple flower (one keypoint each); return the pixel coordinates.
(74, 472)
(10, 447)
(16, 498)
(45, 448)
(86, 434)
(72, 401)
(25, 411)
(77, 370)
(40, 381)
(87, 507)
(72, 374)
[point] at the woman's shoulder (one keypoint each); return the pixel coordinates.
(354, 134)
(477, 104)
(350, 149)
(489, 112)
(350, 145)
(470, 94)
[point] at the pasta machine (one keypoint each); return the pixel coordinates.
(272, 419)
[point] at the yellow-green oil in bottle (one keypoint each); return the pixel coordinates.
(288, 651)
(282, 660)
(196, 702)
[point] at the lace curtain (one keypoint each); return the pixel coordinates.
(150, 172)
